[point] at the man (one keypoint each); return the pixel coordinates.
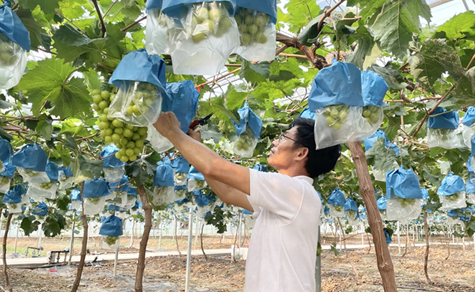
(283, 245)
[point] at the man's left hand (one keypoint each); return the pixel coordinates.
(167, 124)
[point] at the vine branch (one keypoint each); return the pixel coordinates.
(101, 19)
(133, 23)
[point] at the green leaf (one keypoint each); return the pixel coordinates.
(62, 202)
(44, 127)
(140, 170)
(234, 98)
(50, 81)
(300, 13)
(435, 58)
(254, 72)
(394, 23)
(85, 168)
(310, 33)
(71, 43)
(29, 224)
(91, 78)
(54, 223)
(364, 48)
(391, 75)
(458, 27)
(5, 135)
(48, 6)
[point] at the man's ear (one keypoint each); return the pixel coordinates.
(302, 153)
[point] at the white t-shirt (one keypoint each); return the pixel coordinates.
(283, 247)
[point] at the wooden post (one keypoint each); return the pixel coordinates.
(4, 252)
(116, 259)
(71, 244)
(383, 257)
(188, 252)
(84, 245)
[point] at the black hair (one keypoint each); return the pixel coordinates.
(319, 161)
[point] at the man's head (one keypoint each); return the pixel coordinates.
(296, 147)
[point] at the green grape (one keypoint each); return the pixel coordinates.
(442, 133)
(130, 197)
(7, 52)
(46, 185)
(338, 208)
(200, 183)
(31, 172)
(372, 113)
(13, 206)
(335, 116)
(405, 202)
(111, 240)
(245, 140)
(208, 19)
(251, 25)
(453, 197)
(181, 193)
(4, 180)
(351, 214)
(179, 176)
(94, 200)
(1, 165)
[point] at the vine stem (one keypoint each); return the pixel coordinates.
(101, 19)
(143, 243)
(326, 14)
(133, 23)
(84, 244)
(69, 20)
(4, 250)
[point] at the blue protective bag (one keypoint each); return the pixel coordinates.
(12, 27)
(6, 150)
(182, 100)
(153, 4)
(52, 170)
(387, 237)
(164, 176)
(140, 66)
(403, 183)
(132, 192)
(182, 164)
(195, 174)
(174, 8)
(441, 119)
(75, 195)
(112, 226)
(268, 7)
(40, 210)
(31, 156)
(307, 114)
(374, 88)
(425, 193)
(248, 117)
(470, 186)
(9, 170)
(111, 161)
(451, 184)
(350, 204)
(469, 117)
(121, 185)
(113, 208)
(368, 143)
(382, 203)
(338, 84)
(66, 170)
(469, 164)
(95, 188)
(472, 151)
(260, 167)
(337, 198)
(14, 195)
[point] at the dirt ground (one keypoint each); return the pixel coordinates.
(352, 271)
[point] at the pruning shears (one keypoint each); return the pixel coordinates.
(196, 124)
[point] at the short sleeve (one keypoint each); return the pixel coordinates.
(277, 193)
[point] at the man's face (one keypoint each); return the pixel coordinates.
(282, 152)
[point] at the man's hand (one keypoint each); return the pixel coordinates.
(167, 124)
(194, 134)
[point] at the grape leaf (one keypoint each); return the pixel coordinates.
(29, 224)
(48, 6)
(435, 58)
(71, 43)
(85, 168)
(54, 223)
(300, 13)
(32, 26)
(458, 27)
(364, 47)
(394, 23)
(254, 72)
(235, 98)
(391, 75)
(44, 127)
(50, 81)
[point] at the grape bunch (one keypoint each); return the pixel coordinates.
(338, 208)
(111, 240)
(351, 214)
(13, 206)
(94, 200)
(442, 133)
(7, 51)
(1, 164)
(31, 172)
(129, 139)
(372, 113)
(4, 180)
(209, 18)
(144, 95)
(46, 185)
(335, 116)
(180, 192)
(244, 141)
(453, 198)
(200, 183)
(405, 202)
(251, 25)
